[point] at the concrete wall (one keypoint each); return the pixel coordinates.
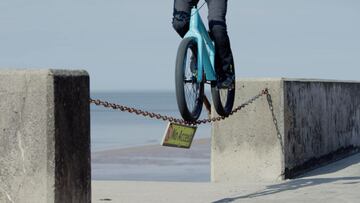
(44, 136)
(303, 124)
(322, 121)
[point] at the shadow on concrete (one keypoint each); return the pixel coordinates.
(335, 166)
(291, 185)
(306, 180)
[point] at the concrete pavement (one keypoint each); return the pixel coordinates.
(336, 182)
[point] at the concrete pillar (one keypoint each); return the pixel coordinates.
(44, 136)
(305, 123)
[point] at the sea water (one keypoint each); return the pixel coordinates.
(113, 129)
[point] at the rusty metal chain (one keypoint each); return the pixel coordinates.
(275, 121)
(157, 116)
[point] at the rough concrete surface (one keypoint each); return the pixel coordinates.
(246, 146)
(302, 124)
(44, 136)
(322, 120)
(336, 182)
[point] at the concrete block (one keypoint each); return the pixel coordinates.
(44, 136)
(302, 125)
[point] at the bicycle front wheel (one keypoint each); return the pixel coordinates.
(189, 92)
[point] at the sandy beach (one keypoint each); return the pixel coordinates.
(336, 182)
(154, 163)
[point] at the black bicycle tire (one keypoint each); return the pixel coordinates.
(223, 110)
(179, 83)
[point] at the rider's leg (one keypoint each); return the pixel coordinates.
(181, 15)
(218, 30)
(181, 20)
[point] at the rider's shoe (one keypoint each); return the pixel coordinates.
(227, 81)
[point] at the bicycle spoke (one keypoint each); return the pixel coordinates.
(223, 96)
(191, 88)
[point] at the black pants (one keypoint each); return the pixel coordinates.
(217, 25)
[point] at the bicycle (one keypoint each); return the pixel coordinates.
(194, 67)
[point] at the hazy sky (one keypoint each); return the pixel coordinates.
(130, 45)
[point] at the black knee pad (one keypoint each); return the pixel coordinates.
(181, 21)
(181, 27)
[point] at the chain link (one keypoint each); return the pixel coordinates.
(157, 116)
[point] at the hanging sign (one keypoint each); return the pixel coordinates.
(177, 135)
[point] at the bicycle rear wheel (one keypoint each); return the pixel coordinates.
(223, 99)
(189, 93)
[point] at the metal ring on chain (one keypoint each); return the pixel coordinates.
(122, 108)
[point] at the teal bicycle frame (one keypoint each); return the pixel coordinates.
(206, 48)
